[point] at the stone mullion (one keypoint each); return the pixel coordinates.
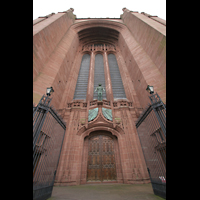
(90, 88)
(109, 92)
(91, 79)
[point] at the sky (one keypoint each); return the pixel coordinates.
(100, 8)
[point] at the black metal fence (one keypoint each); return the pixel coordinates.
(48, 135)
(151, 128)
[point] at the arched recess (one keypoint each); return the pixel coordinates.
(82, 81)
(103, 128)
(100, 123)
(101, 131)
(116, 80)
(99, 77)
(98, 35)
(85, 24)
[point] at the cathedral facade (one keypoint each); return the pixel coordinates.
(122, 56)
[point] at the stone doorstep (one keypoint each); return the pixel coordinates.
(99, 182)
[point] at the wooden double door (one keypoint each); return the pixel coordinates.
(101, 159)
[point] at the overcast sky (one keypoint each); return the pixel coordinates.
(99, 8)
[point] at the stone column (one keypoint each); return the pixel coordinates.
(108, 83)
(90, 89)
(91, 79)
(109, 92)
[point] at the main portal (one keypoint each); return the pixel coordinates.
(101, 159)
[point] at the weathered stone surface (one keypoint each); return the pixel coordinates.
(139, 44)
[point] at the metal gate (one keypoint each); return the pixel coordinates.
(151, 128)
(48, 134)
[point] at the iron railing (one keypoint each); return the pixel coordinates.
(151, 128)
(48, 135)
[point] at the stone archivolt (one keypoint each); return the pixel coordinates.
(100, 121)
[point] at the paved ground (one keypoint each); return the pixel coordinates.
(104, 192)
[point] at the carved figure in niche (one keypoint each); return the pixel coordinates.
(134, 174)
(138, 174)
(100, 90)
(66, 175)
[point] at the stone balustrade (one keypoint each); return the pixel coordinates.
(94, 103)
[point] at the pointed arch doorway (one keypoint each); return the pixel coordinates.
(101, 165)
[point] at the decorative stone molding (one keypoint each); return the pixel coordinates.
(101, 122)
(94, 103)
(77, 104)
(122, 103)
(101, 48)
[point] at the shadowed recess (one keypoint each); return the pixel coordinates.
(98, 35)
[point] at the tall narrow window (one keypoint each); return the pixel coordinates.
(117, 85)
(99, 76)
(82, 82)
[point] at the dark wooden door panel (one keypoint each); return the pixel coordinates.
(101, 159)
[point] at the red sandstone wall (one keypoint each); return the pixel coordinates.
(68, 50)
(140, 58)
(69, 168)
(50, 56)
(150, 34)
(60, 70)
(130, 163)
(39, 19)
(70, 85)
(46, 35)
